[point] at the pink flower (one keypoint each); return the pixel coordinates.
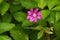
(34, 15)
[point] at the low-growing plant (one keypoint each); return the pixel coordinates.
(29, 19)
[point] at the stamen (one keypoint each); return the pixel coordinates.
(34, 15)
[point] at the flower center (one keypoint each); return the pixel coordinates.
(34, 15)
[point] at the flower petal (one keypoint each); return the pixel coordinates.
(29, 13)
(39, 17)
(39, 13)
(36, 10)
(31, 10)
(31, 19)
(35, 19)
(28, 17)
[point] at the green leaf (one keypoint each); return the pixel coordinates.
(18, 34)
(6, 18)
(41, 4)
(16, 2)
(40, 34)
(41, 38)
(4, 8)
(5, 27)
(45, 13)
(33, 35)
(47, 30)
(51, 17)
(56, 38)
(41, 23)
(51, 3)
(27, 23)
(57, 28)
(15, 8)
(29, 4)
(19, 16)
(1, 1)
(57, 8)
(3, 37)
(57, 16)
(38, 28)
